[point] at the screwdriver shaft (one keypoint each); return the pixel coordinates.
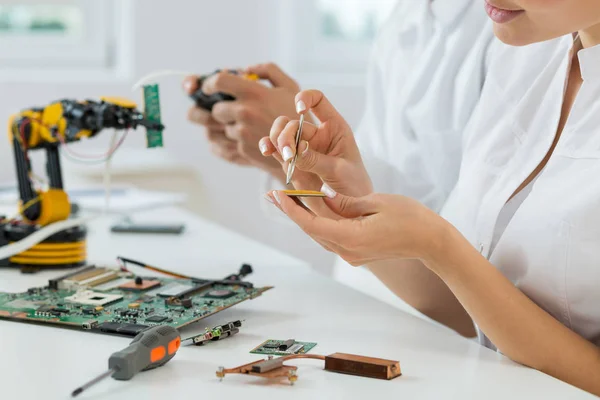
(79, 390)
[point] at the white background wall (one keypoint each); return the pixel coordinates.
(199, 36)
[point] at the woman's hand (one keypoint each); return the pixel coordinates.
(234, 128)
(372, 228)
(327, 154)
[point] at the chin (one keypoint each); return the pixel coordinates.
(512, 36)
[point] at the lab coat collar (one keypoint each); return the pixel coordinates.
(589, 61)
(448, 11)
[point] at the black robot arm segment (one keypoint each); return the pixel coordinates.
(95, 116)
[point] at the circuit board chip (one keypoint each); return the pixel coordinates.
(157, 318)
(152, 113)
(272, 347)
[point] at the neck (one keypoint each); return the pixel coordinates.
(590, 37)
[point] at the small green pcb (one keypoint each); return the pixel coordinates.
(152, 113)
(283, 347)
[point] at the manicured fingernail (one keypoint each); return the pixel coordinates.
(329, 192)
(306, 149)
(277, 199)
(187, 85)
(300, 106)
(269, 199)
(287, 153)
(263, 147)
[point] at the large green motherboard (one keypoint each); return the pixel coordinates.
(110, 301)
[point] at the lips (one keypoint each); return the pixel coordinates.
(500, 15)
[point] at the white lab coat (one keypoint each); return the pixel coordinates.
(550, 248)
(426, 76)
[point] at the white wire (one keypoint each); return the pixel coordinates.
(25, 244)
(158, 74)
(107, 173)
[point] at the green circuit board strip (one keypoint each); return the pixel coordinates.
(270, 348)
(154, 138)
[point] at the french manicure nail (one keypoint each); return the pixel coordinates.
(329, 192)
(287, 153)
(306, 149)
(300, 106)
(263, 147)
(269, 199)
(277, 199)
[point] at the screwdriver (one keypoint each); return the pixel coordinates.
(150, 349)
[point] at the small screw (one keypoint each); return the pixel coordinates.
(270, 357)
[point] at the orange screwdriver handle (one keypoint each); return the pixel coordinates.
(150, 349)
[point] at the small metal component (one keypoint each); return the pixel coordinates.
(287, 344)
(292, 166)
(268, 365)
(294, 349)
(292, 376)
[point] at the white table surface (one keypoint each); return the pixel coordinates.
(41, 362)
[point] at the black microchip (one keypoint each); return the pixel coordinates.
(156, 318)
(225, 328)
(109, 327)
(237, 323)
(219, 294)
(131, 329)
(187, 303)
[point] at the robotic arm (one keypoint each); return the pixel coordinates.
(47, 128)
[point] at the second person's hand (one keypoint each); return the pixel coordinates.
(234, 127)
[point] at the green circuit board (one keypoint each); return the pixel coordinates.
(272, 347)
(120, 306)
(154, 138)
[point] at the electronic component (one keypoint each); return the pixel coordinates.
(92, 298)
(121, 311)
(174, 290)
(187, 303)
(303, 193)
(139, 284)
(286, 345)
(87, 278)
(149, 349)
(283, 347)
(54, 283)
(219, 294)
(147, 228)
(152, 113)
(274, 368)
(157, 318)
(217, 333)
(362, 366)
